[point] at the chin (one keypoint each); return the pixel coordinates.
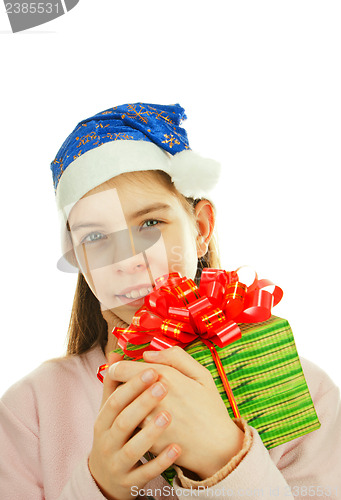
(127, 312)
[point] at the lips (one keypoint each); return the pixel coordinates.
(135, 292)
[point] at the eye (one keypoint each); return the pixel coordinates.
(150, 223)
(93, 237)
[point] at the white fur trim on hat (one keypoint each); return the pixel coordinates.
(104, 162)
(192, 175)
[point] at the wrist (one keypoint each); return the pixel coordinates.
(233, 444)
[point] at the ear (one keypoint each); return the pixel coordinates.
(205, 220)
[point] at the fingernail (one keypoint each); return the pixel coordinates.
(158, 389)
(172, 453)
(112, 370)
(161, 420)
(148, 376)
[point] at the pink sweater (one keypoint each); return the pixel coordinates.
(46, 429)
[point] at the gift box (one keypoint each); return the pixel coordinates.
(255, 364)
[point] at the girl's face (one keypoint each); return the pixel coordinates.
(126, 234)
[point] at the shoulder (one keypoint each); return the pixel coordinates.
(52, 384)
(318, 381)
(70, 367)
(326, 398)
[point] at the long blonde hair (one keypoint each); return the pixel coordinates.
(87, 327)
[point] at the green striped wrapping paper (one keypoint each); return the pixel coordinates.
(266, 377)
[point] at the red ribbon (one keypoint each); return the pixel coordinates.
(177, 312)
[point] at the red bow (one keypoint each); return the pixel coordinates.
(177, 312)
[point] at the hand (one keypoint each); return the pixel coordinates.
(114, 461)
(200, 423)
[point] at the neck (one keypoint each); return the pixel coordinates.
(113, 321)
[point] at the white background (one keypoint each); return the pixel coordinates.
(260, 82)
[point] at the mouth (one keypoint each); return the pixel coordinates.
(135, 296)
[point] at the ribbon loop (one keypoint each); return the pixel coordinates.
(177, 312)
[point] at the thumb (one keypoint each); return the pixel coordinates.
(113, 357)
(109, 385)
(178, 358)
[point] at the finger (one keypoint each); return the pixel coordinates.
(133, 414)
(109, 385)
(143, 440)
(121, 397)
(152, 469)
(178, 358)
(174, 357)
(123, 371)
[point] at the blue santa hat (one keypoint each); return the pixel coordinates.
(127, 138)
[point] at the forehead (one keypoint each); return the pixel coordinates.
(124, 195)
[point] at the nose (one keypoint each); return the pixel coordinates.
(137, 263)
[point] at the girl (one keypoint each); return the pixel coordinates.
(133, 202)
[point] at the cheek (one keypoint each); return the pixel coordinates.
(183, 257)
(101, 284)
(158, 259)
(174, 252)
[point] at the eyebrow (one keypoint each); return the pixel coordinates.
(134, 215)
(150, 208)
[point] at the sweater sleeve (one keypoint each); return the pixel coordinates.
(304, 467)
(81, 485)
